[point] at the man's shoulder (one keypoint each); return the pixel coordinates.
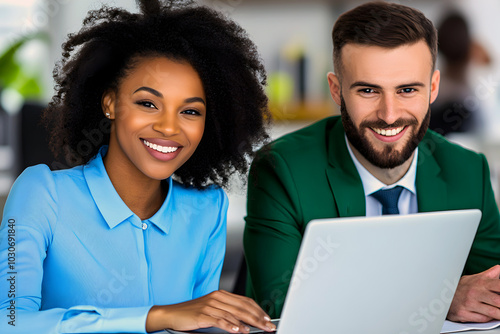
(444, 150)
(453, 160)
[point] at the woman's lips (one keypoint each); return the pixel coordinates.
(163, 150)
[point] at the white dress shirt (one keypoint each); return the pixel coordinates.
(407, 201)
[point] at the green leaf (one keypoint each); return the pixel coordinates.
(30, 88)
(11, 72)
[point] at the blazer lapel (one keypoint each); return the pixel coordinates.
(432, 194)
(343, 177)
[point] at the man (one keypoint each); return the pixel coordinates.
(384, 83)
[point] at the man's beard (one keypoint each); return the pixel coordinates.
(390, 157)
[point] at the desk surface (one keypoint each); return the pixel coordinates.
(490, 331)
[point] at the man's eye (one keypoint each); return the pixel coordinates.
(408, 90)
(366, 91)
(147, 104)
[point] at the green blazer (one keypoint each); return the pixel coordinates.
(309, 174)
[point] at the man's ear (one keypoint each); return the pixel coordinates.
(108, 104)
(436, 77)
(335, 88)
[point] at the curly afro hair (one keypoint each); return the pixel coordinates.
(97, 57)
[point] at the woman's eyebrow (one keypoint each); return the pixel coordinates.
(150, 90)
(195, 99)
(158, 94)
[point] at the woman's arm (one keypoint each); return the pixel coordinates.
(220, 309)
(26, 232)
(215, 308)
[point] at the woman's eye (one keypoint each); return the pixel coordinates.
(147, 104)
(191, 112)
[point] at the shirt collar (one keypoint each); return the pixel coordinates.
(371, 184)
(110, 204)
(163, 218)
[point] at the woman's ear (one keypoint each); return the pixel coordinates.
(108, 104)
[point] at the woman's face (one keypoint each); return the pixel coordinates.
(158, 113)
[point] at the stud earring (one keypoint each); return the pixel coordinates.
(108, 114)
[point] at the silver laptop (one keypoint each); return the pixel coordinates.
(388, 274)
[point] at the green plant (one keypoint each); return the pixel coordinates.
(14, 76)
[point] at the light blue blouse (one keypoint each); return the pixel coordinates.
(75, 259)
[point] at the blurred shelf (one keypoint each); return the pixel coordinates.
(235, 3)
(309, 111)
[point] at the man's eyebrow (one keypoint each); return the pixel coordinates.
(150, 90)
(411, 84)
(195, 99)
(364, 84)
(369, 85)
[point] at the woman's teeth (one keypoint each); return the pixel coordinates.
(159, 148)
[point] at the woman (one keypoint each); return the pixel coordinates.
(159, 109)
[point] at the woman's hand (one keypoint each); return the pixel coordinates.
(220, 309)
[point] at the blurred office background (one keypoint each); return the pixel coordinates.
(294, 39)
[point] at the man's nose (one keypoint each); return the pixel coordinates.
(388, 109)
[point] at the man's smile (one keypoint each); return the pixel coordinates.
(388, 132)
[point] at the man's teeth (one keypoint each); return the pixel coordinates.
(159, 148)
(388, 133)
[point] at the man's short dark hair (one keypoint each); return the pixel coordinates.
(383, 24)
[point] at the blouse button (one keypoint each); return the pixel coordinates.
(144, 226)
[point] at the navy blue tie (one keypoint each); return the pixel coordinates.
(389, 199)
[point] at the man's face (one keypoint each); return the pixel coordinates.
(385, 97)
